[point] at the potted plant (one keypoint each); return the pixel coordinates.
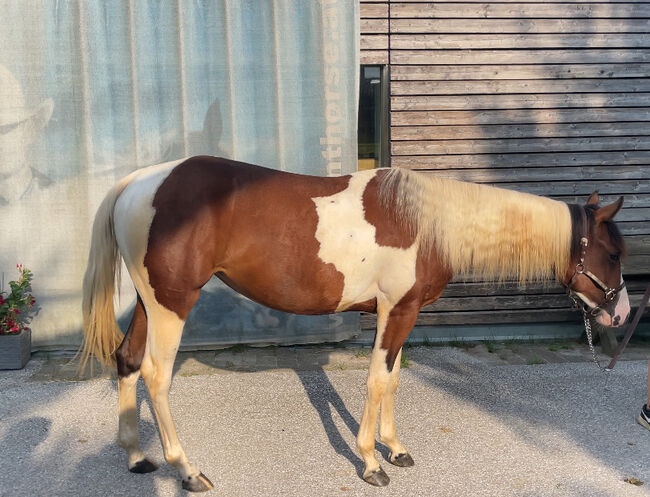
(16, 311)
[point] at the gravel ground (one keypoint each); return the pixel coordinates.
(474, 427)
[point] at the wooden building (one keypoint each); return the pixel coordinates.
(551, 98)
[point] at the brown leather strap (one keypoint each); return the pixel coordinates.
(630, 329)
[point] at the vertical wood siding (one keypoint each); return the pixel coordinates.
(551, 98)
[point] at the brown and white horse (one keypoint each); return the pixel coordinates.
(384, 241)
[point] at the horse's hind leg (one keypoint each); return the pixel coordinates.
(129, 357)
(163, 338)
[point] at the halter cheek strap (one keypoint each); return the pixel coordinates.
(610, 293)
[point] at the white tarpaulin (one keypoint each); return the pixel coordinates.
(91, 90)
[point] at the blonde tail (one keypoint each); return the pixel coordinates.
(102, 336)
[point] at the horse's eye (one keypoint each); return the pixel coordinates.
(614, 257)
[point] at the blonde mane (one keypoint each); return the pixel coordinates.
(481, 230)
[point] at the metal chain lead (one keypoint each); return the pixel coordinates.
(590, 341)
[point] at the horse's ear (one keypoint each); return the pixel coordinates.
(593, 198)
(608, 212)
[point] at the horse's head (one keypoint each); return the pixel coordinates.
(595, 276)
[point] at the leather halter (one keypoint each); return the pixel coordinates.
(610, 293)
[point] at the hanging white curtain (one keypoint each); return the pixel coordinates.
(91, 90)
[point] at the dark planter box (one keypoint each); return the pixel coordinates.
(15, 350)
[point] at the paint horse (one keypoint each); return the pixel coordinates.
(385, 241)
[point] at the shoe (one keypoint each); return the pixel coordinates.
(644, 418)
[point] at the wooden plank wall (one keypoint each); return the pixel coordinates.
(551, 98)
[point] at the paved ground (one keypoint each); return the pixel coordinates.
(497, 420)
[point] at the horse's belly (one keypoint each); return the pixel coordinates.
(295, 293)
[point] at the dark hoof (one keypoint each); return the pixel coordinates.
(377, 478)
(402, 460)
(144, 466)
(198, 483)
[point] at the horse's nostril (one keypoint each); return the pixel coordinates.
(617, 320)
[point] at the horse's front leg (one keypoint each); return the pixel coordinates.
(393, 326)
(387, 431)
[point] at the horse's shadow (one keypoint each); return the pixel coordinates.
(326, 401)
(323, 396)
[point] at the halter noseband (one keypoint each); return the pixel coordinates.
(610, 293)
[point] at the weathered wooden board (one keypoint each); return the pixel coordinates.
(441, 72)
(518, 101)
(587, 85)
(562, 188)
(533, 315)
(608, 188)
(520, 131)
(639, 214)
(507, 302)
(503, 175)
(459, 288)
(524, 56)
(376, 10)
(368, 26)
(513, 10)
(539, 159)
(523, 25)
(374, 42)
(524, 145)
(639, 245)
(374, 57)
(500, 40)
(520, 116)
(489, 303)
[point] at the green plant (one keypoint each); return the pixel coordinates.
(536, 360)
(559, 346)
(362, 353)
(490, 346)
(404, 361)
(17, 305)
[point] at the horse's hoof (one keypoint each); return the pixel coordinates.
(198, 483)
(403, 460)
(143, 466)
(378, 478)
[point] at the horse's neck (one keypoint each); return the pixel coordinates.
(502, 234)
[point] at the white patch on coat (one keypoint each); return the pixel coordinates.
(347, 240)
(622, 308)
(133, 215)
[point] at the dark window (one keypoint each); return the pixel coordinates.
(373, 112)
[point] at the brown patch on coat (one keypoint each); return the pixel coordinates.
(390, 230)
(129, 354)
(253, 227)
(430, 281)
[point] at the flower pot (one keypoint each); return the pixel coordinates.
(15, 350)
